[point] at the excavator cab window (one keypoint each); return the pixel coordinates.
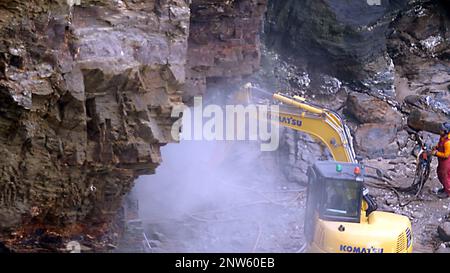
(341, 200)
(332, 196)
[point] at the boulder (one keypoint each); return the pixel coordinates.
(425, 121)
(375, 140)
(368, 109)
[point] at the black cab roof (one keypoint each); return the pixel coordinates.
(338, 170)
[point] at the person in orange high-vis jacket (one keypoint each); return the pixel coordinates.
(442, 151)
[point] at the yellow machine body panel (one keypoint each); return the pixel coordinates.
(382, 233)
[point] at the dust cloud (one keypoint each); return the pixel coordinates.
(217, 196)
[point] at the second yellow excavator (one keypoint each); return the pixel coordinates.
(340, 217)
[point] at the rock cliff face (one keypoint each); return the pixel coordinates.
(420, 48)
(374, 47)
(87, 88)
(383, 67)
(377, 48)
(346, 39)
(224, 41)
(86, 93)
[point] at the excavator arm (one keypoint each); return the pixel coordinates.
(321, 123)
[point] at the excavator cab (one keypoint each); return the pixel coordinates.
(334, 193)
(337, 217)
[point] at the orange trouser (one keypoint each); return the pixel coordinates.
(443, 172)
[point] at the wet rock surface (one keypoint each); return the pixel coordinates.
(343, 39)
(388, 51)
(419, 47)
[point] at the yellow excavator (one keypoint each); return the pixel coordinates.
(341, 217)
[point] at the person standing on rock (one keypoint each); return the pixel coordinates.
(442, 151)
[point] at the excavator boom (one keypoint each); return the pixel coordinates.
(323, 124)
